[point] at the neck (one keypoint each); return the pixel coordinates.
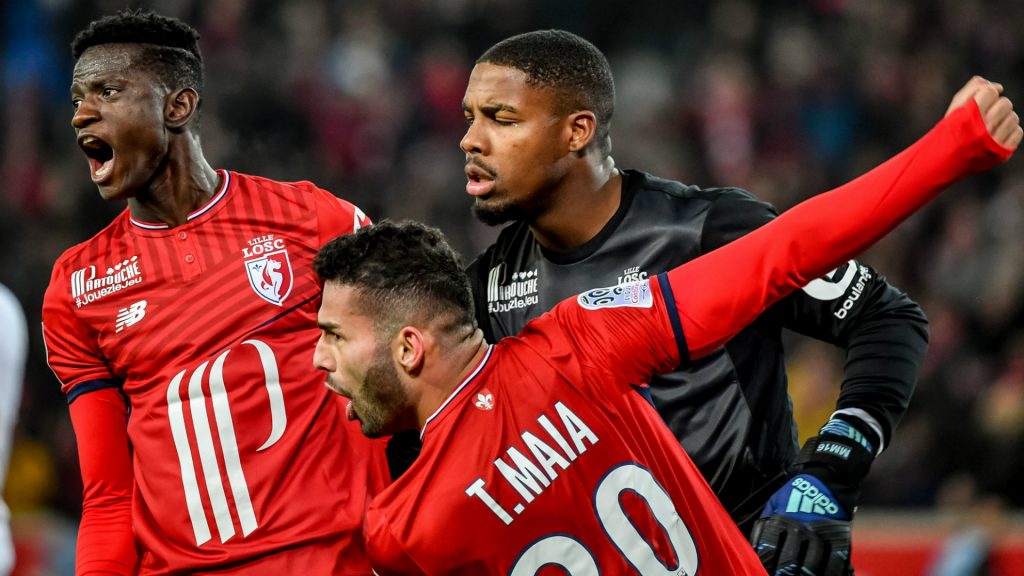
(582, 204)
(181, 186)
(451, 368)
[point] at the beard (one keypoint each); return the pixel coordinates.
(496, 214)
(383, 397)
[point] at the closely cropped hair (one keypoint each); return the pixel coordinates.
(169, 47)
(405, 271)
(566, 63)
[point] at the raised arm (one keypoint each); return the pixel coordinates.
(721, 292)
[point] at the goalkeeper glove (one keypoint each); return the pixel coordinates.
(806, 525)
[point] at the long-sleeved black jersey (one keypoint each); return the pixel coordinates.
(731, 410)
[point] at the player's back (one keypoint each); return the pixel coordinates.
(532, 463)
(239, 449)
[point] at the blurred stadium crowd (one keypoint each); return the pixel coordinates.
(784, 99)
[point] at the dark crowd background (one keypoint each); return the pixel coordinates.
(782, 98)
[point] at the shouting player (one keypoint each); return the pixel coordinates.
(181, 336)
(538, 153)
(537, 451)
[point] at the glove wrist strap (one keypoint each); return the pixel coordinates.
(840, 456)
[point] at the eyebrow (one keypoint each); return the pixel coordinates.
(492, 108)
(325, 325)
(94, 82)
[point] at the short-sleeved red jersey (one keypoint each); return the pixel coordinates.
(547, 455)
(208, 328)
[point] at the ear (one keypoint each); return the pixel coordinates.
(582, 129)
(409, 349)
(179, 107)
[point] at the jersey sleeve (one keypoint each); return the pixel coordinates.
(106, 541)
(734, 213)
(620, 335)
(336, 217)
(776, 259)
(386, 555)
(72, 348)
(883, 332)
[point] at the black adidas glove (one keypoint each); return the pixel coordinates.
(806, 525)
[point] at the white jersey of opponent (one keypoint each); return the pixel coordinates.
(13, 351)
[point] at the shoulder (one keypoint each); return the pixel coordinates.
(84, 252)
(652, 186)
(657, 198)
(298, 189)
(719, 215)
(334, 213)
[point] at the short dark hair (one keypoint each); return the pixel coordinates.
(404, 271)
(169, 47)
(571, 66)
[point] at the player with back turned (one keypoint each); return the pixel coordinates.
(181, 336)
(579, 221)
(538, 454)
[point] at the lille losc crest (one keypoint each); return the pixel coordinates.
(270, 276)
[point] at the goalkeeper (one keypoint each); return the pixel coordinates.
(538, 158)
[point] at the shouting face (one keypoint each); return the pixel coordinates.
(119, 119)
(358, 365)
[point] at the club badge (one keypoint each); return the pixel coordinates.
(270, 275)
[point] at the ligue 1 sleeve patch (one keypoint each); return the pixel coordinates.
(630, 295)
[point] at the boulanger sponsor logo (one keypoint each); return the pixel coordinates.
(87, 286)
(520, 292)
(269, 269)
(632, 295)
(835, 285)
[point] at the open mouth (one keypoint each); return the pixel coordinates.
(100, 155)
(478, 181)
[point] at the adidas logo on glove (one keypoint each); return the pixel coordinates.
(808, 498)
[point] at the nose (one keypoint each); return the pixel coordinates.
(85, 114)
(321, 358)
(472, 142)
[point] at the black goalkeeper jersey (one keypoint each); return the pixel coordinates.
(730, 410)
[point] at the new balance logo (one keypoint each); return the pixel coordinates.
(131, 315)
(806, 497)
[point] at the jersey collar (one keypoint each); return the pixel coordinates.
(458, 391)
(226, 181)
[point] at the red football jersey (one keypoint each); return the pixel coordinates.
(209, 328)
(548, 456)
